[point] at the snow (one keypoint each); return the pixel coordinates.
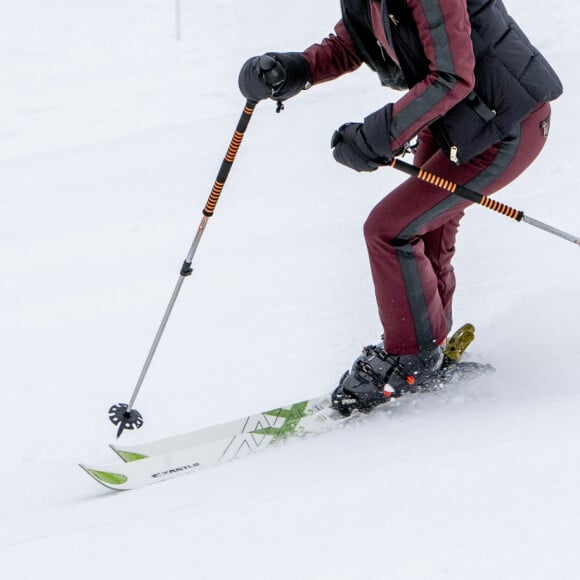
(111, 134)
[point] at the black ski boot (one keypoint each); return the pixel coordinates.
(418, 371)
(377, 376)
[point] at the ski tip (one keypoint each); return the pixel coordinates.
(106, 478)
(128, 456)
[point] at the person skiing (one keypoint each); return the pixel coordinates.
(477, 100)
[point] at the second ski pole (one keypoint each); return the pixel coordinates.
(480, 199)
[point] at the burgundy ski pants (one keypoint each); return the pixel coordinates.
(410, 234)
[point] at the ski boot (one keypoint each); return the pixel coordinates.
(377, 375)
(418, 372)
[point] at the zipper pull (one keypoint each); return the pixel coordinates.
(381, 49)
(394, 19)
(453, 155)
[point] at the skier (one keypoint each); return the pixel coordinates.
(477, 100)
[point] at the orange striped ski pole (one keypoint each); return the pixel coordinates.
(480, 199)
(125, 416)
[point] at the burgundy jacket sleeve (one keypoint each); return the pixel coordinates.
(333, 57)
(445, 33)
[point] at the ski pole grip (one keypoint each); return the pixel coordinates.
(228, 161)
(452, 187)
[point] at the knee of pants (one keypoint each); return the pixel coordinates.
(378, 230)
(378, 234)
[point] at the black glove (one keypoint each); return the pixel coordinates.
(276, 75)
(364, 146)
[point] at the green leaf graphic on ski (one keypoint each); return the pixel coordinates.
(292, 418)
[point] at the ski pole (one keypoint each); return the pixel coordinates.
(124, 415)
(476, 197)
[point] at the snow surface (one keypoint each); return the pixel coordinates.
(111, 134)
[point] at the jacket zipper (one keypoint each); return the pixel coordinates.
(453, 149)
(453, 154)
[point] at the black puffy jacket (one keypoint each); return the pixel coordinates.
(512, 78)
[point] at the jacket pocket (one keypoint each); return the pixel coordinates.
(475, 102)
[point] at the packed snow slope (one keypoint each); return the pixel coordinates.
(111, 134)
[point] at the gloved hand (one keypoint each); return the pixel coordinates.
(274, 75)
(364, 146)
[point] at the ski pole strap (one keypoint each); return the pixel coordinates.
(480, 199)
(229, 158)
(464, 192)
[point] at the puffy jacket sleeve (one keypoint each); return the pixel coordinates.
(333, 57)
(445, 34)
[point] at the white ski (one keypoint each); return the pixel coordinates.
(174, 456)
(274, 419)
